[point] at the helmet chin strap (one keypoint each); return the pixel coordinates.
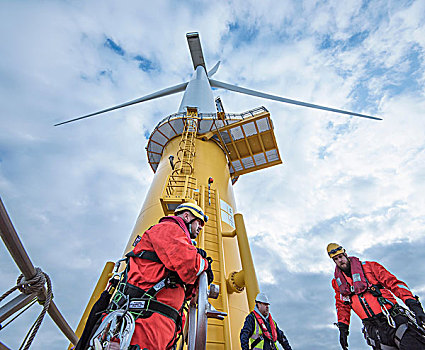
(189, 226)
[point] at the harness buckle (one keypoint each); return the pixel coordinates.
(172, 280)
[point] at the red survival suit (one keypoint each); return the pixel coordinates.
(374, 274)
(170, 240)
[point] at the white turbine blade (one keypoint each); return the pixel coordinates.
(195, 50)
(161, 93)
(213, 70)
(219, 84)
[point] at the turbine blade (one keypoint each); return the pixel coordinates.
(219, 84)
(195, 50)
(213, 70)
(161, 93)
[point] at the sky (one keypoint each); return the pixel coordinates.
(74, 192)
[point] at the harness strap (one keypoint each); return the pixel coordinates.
(135, 292)
(256, 341)
(144, 254)
(387, 347)
(399, 333)
(381, 346)
(169, 281)
(150, 305)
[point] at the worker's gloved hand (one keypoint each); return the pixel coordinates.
(343, 335)
(202, 252)
(416, 307)
(209, 272)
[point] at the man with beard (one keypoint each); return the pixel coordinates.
(260, 331)
(368, 289)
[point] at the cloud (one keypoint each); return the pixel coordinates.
(74, 191)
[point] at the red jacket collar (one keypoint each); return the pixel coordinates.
(179, 221)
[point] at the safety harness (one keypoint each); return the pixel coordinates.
(262, 332)
(141, 303)
(362, 285)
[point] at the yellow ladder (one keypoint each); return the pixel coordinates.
(181, 186)
(186, 152)
(218, 333)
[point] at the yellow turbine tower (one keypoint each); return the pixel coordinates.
(197, 154)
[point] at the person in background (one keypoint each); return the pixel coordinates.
(260, 331)
(368, 288)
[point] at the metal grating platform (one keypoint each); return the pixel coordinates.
(173, 125)
(250, 144)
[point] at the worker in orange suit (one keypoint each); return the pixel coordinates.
(165, 259)
(369, 289)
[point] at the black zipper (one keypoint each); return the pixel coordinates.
(367, 309)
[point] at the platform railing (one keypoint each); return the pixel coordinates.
(23, 261)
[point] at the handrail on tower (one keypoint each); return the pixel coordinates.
(199, 312)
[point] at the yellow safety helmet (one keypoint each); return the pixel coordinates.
(195, 209)
(334, 249)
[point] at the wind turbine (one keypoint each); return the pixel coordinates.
(212, 149)
(203, 97)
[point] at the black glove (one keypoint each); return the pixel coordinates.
(416, 307)
(343, 335)
(209, 272)
(202, 252)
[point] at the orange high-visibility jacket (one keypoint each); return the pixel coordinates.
(375, 274)
(170, 240)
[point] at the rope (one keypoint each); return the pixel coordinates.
(33, 285)
(10, 291)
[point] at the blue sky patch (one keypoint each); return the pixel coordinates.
(362, 99)
(343, 45)
(357, 38)
(409, 80)
(109, 43)
(242, 33)
(323, 152)
(145, 64)
(105, 73)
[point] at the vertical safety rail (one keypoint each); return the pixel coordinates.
(213, 245)
(198, 319)
(198, 325)
(201, 331)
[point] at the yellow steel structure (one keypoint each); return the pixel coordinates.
(224, 236)
(208, 143)
(197, 154)
(228, 146)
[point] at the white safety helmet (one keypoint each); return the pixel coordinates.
(262, 298)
